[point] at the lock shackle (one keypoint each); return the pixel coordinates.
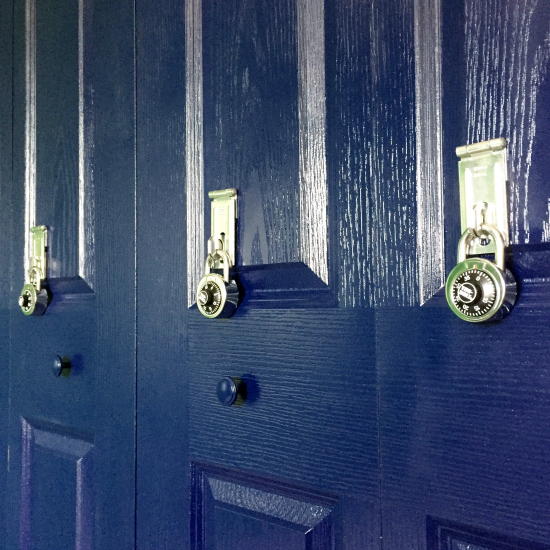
(471, 234)
(211, 259)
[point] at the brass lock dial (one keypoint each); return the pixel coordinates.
(35, 297)
(477, 289)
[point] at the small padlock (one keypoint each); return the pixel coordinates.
(35, 296)
(478, 289)
(217, 296)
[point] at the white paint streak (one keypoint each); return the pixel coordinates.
(430, 243)
(312, 129)
(30, 128)
(81, 155)
(194, 146)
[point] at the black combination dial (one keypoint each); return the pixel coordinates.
(473, 293)
(210, 298)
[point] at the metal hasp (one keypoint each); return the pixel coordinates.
(217, 295)
(223, 216)
(34, 299)
(483, 174)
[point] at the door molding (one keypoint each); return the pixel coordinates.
(313, 233)
(429, 139)
(85, 146)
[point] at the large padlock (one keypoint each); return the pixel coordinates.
(217, 296)
(479, 289)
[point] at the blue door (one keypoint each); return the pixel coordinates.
(374, 418)
(247, 95)
(71, 443)
(464, 408)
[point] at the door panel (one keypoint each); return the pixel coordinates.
(462, 408)
(57, 467)
(72, 438)
(308, 428)
(232, 510)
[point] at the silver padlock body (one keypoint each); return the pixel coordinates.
(33, 302)
(216, 298)
(478, 291)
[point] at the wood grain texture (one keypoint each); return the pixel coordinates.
(162, 441)
(59, 140)
(462, 420)
(429, 161)
(194, 147)
(507, 48)
(310, 416)
(57, 132)
(312, 131)
(371, 114)
(251, 122)
(111, 63)
(258, 111)
(6, 175)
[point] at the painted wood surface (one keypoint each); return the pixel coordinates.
(463, 408)
(431, 416)
(72, 440)
(162, 442)
(360, 400)
(6, 92)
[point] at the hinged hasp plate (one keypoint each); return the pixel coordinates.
(37, 269)
(483, 174)
(223, 223)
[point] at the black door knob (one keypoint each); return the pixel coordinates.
(231, 391)
(61, 366)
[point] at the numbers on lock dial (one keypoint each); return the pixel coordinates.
(474, 293)
(210, 298)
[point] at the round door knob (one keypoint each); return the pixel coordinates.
(61, 366)
(231, 391)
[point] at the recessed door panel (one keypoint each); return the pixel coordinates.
(232, 511)
(56, 127)
(56, 488)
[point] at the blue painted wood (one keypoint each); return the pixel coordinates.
(398, 412)
(6, 92)
(235, 509)
(162, 460)
(57, 140)
(444, 535)
(463, 408)
(309, 422)
(72, 439)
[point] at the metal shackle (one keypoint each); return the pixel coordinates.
(210, 259)
(471, 234)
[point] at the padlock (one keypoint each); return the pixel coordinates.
(478, 289)
(35, 296)
(217, 296)
(33, 301)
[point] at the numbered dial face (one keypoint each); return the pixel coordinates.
(474, 293)
(27, 299)
(210, 298)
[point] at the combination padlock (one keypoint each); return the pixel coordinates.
(217, 296)
(477, 289)
(35, 296)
